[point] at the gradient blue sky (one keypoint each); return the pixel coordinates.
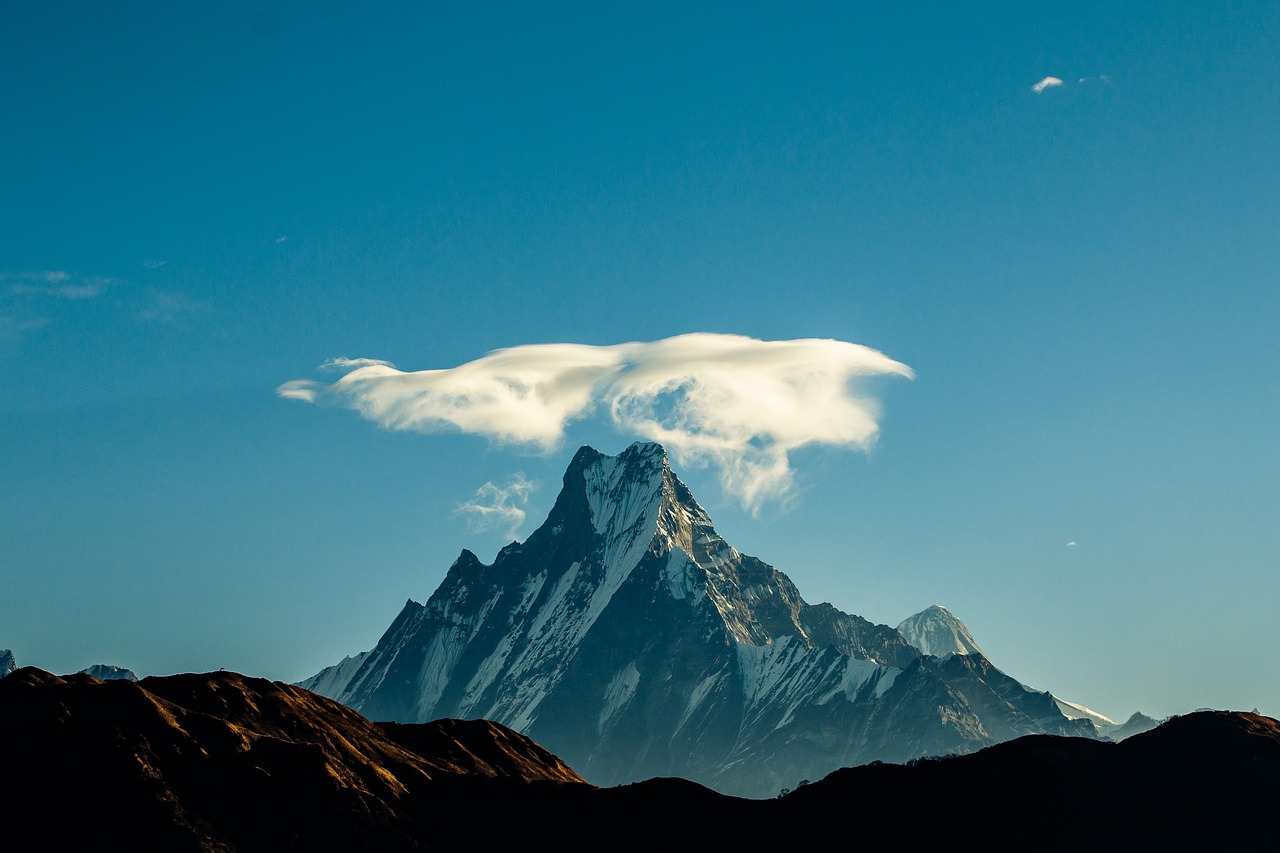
(199, 203)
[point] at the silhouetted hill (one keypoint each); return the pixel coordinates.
(1207, 779)
(221, 761)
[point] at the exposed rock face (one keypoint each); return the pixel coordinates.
(628, 637)
(7, 662)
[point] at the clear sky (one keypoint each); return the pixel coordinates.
(1063, 218)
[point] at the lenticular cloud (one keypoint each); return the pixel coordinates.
(737, 403)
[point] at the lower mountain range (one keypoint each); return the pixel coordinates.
(630, 638)
(622, 679)
(223, 762)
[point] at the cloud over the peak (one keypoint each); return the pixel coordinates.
(1046, 83)
(344, 364)
(737, 403)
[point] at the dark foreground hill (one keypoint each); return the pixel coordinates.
(224, 762)
(221, 761)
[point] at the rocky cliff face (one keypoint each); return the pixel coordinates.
(629, 638)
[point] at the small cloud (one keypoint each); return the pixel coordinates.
(493, 507)
(170, 308)
(153, 264)
(280, 239)
(1046, 83)
(1071, 544)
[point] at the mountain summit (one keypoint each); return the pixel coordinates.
(936, 632)
(628, 637)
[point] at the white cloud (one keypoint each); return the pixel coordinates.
(739, 404)
(1071, 544)
(493, 507)
(1046, 83)
(56, 284)
(344, 364)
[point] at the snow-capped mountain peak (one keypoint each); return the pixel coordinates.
(626, 635)
(935, 631)
(109, 672)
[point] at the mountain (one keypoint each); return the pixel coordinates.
(628, 637)
(1200, 781)
(222, 762)
(934, 631)
(109, 672)
(106, 672)
(1137, 723)
(1080, 712)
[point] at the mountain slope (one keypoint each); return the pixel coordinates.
(627, 636)
(221, 761)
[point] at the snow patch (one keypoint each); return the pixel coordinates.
(619, 693)
(684, 578)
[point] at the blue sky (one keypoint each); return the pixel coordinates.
(201, 204)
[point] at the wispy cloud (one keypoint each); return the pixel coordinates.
(1046, 83)
(32, 300)
(493, 507)
(14, 328)
(153, 263)
(170, 308)
(55, 284)
(738, 404)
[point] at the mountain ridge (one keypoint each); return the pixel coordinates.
(225, 762)
(627, 635)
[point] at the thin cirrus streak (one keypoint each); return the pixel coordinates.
(739, 404)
